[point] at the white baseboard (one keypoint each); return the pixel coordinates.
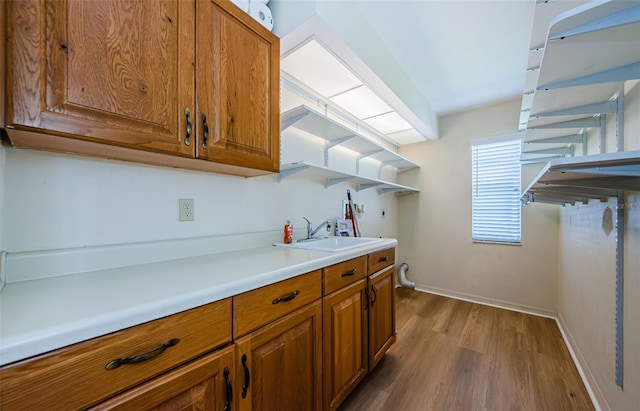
(523, 308)
(588, 380)
(597, 398)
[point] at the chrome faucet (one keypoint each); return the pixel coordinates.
(312, 231)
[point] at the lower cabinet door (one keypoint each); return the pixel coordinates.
(344, 342)
(204, 384)
(382, 314)
(279, 366)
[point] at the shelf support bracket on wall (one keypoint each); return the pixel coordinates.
(337, 142)
(361, 187)
(566, 196)
(404, 192)
(370, 153)
(623, 170)
(586, 191)
(550, 201)
(615, 182)
(365, 155)
(332, 143)
(288, 122)
(622, 73)
(389, 163)
(603, 107)
(556, 150)
(545, 159)
(569, 139)
(290, 171)
(579, 123)
(627, 16)
(399, 191)
(333, 181)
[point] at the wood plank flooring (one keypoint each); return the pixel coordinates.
(457, 355)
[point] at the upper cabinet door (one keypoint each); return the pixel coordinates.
(116, 71)
(238, 87)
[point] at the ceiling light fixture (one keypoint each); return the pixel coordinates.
(316, 67)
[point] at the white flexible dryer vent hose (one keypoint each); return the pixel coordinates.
(402, 277)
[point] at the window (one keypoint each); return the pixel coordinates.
(496, 190)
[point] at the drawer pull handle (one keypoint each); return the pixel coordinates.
(205, 133)
(247, 376)
(375, 295)
(187, 138)
(227, 381)
(383, 259)
(349, 273)
(366, 298)
(286, 298)
(111, 365)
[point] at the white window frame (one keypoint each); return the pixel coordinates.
(497, 222)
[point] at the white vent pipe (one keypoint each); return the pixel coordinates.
(402, 277)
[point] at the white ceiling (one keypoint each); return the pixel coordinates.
(459, 54)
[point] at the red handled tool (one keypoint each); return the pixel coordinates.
(352, 216)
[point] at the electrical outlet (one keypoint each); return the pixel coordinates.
(185, 209)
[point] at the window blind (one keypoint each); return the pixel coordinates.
(495, 188)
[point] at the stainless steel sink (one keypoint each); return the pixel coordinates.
(331, 244)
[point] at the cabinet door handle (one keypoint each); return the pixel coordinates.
(366, 298)
(375, 295)
(247, 376)
(383, 259)
(187, 138)
(205, 133)
(349, 273)
(111, 365)
(286, 297)
(227, 381)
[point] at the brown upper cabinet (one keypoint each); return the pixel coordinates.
(191, 84)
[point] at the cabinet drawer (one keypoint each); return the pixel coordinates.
(343, 274)
(198, 385)
(76, 376)
(255, 308)
(381, 259)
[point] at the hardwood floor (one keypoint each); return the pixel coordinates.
(457, 355)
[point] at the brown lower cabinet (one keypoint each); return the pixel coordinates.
(204, 384)
(358, 321)
(279, 366)
(300, 344)
(382, 314)
(344, 342)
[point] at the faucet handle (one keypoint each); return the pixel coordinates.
(308, 222)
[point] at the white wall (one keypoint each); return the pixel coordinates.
(435, 230)
(586, 278)
(54, 201)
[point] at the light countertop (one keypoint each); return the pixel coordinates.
(41, 315)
